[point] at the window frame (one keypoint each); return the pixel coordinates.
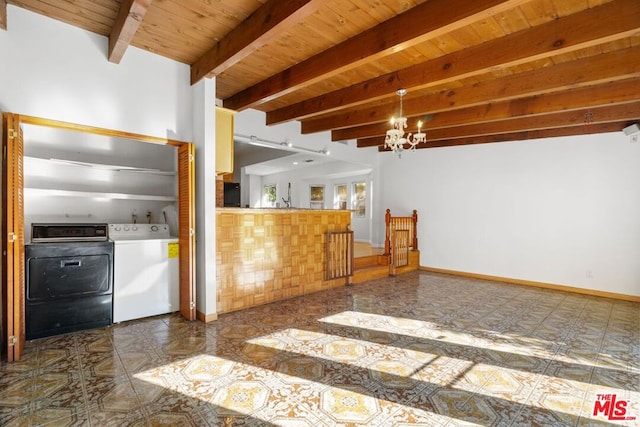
(359, 204)
(316, 196)
(266, 202)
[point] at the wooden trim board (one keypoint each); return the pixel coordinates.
(206, 318)
(38, 121)
(624, 297)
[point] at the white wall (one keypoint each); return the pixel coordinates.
(204, 125)
(563, 211)
(56, 71)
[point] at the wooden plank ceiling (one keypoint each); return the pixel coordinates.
(475, 71)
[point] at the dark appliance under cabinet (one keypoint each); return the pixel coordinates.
(231, 194)
(69, 279)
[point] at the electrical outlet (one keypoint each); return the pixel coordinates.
(634, 137)
(589, 274)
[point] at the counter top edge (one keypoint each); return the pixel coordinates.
(277, 210)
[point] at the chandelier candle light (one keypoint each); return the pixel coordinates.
(396, 139)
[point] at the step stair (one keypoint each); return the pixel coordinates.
(369, 268)
(376, 267)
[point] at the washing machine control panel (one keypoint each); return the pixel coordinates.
(138, 231)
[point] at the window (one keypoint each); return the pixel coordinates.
(359, 200)
(269, 196)
(340, 196)
(316, 197)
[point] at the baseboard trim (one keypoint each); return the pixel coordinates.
(206, 318)
(593, 292)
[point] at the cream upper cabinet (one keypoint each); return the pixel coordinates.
(224, 140)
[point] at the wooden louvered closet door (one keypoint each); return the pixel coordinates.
(187, 236)
(13, 237)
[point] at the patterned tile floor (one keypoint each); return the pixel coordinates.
(419, 349)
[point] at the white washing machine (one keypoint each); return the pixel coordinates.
(146, 271)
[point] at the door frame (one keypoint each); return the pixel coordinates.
(13, 286)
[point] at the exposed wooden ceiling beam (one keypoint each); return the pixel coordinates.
(264, 25)
(586, 117)
(3, 14)
(129, 18)
(521, 136)
(616, 20)
(591, 96)
(425, 21)
(608, 114)
(612, 66)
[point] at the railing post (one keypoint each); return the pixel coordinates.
(415, 230)
(387, 242)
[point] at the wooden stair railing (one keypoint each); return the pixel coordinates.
(339, 255)
(401, 236)
(399, 250)
(409, 223)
